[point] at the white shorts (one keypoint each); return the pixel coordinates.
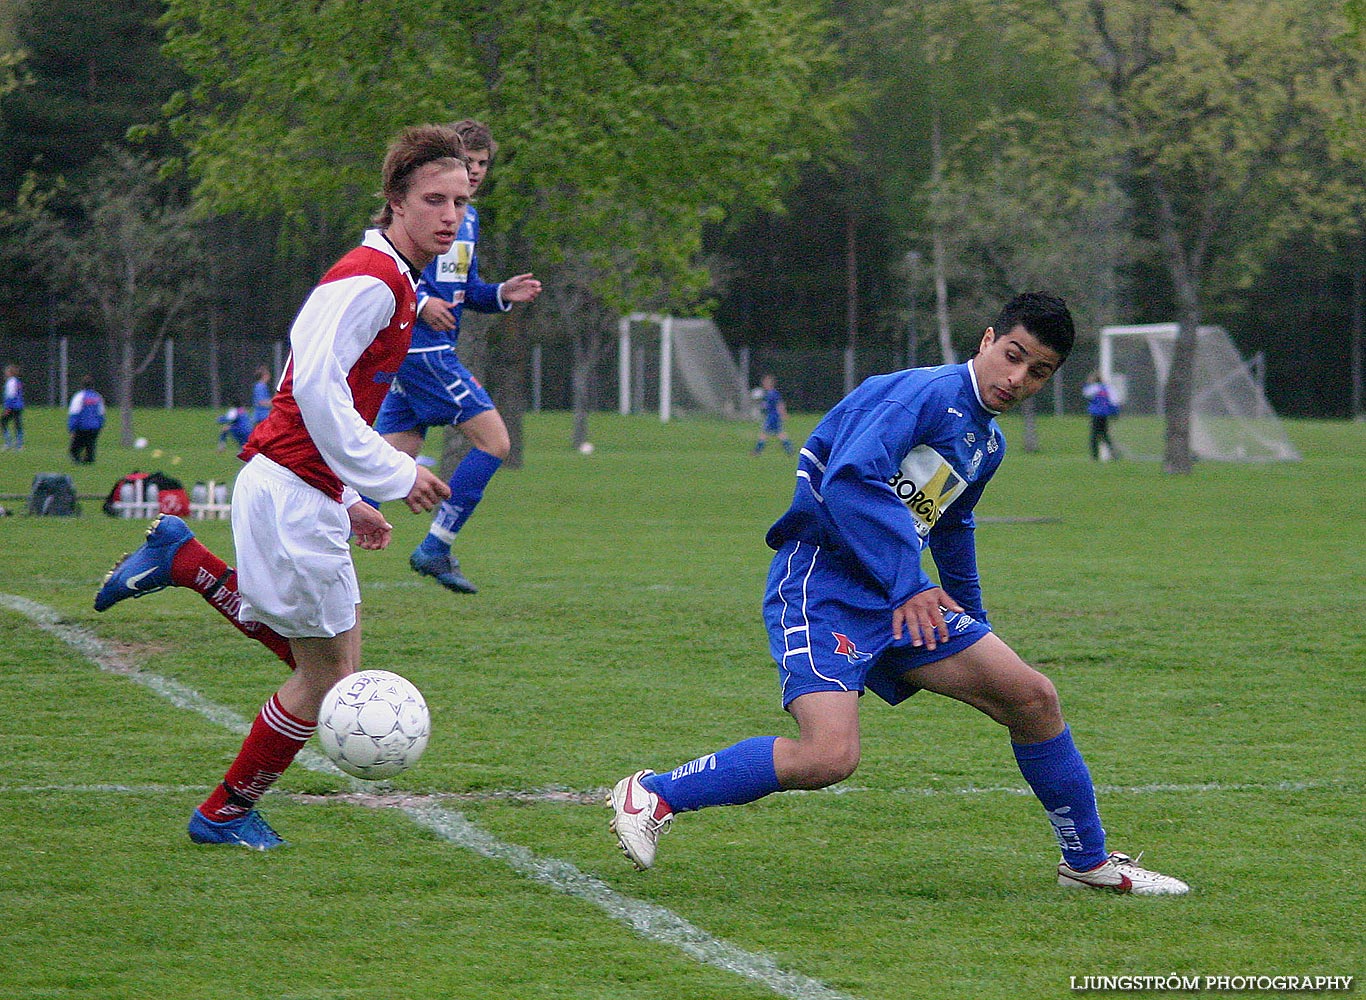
(294, 568)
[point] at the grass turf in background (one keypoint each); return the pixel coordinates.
(1206, 634)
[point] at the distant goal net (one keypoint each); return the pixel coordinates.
(1230, 417)
(678, 366)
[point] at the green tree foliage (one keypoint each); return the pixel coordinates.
(623, 126)
(125, 258)
(93, 69)
(1217, 112)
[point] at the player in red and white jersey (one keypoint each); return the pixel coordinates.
(298, 501)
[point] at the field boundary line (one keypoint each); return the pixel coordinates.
(649, 920)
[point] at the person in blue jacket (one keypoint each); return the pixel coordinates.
(85, 420)
(13, 409)
(433, 388)
(262, 392)
(894, 468)
(1100, 406)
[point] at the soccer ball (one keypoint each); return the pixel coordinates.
(140, 443)
(586, 448)
(374, 724)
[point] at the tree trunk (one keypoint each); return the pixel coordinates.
(1185, 275)
(124, 389)
(1358, 324)
(510, 352)
(1178, 459)
(941, 282)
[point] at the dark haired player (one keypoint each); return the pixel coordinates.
(895, 467)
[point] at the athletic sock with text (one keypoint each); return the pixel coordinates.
(1061, 782)
(467, 485)
(275, 739)
(730, 777)
(195, 567)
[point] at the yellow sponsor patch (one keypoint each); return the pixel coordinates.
(927, 484)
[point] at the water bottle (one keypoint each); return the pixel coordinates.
(220, 493)
(150, 498)
(127, 495)
(199, 493)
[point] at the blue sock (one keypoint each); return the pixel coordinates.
(759, 446)
(1058, 775)
(467, 484)
(729, 777)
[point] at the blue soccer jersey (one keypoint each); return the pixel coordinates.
(432, 388)
(897, 465)
(454, 277)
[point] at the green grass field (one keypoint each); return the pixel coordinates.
(1207, 634)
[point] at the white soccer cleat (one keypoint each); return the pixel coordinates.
(1121, 873)
(640, 817)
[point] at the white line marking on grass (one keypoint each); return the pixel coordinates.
(646, 919)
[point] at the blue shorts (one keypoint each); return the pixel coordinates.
(830, 632)
(773, 424)
(432, 389)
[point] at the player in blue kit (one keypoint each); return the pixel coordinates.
(896, 467)
(433, 389)
(774, 415)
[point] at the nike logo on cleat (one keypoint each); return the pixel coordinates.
(628, 806)
(133, 581)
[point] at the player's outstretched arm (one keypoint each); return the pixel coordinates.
(520, 288)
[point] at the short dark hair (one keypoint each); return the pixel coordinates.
(413, 148)
(1045, 316)
(475, 135)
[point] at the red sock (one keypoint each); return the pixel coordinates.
(194, 566)
(274, 741)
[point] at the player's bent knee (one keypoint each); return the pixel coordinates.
(827, 766)
(1033, 703)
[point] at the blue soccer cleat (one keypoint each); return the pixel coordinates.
(445, 568)
(248, 830)
(148, 569)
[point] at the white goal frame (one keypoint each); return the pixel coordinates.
(724, 383)
(1231, 419)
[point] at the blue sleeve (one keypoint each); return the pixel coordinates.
(873, 522)
(953, 543)
(480, 295)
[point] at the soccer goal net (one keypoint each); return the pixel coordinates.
(1230, 417)
(679, 366)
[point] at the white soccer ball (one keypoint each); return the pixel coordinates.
(374, 724)
(140, 443)
(586, 448)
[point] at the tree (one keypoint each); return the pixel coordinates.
(623, 126)
(1215, 111)
(130, 255)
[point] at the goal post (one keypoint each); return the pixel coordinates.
(1231, 419)
(681, 365)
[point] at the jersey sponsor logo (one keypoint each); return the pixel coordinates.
(453, 266)
(844, 646)
(927, 484)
